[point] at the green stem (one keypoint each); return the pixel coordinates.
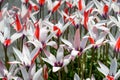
(59, 75)
(92, 61)
(22, 39)
(6, 57)
(79, 66)
(83, 65)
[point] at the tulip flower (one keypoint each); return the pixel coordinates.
(5, 37)
(26, 58)
(111, 73)
(57, 62)
(8, 74)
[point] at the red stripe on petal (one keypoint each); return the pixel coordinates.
(55, 8)
(72, 21)
(36, 8)
(26, 1)
(105, 9)
(117, 45)
(86, 17)
(66, 11)
(110, 77)
(36, 55)
(30, 8)
(18, 24)
(4, 78)
(7, 42)
(45, 72)
(114, 0)
(41, 2)
(80, 5)
(69, 4)
(37, 32)
(58, 33)
(92, 41)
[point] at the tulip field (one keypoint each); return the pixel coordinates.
(59, 39)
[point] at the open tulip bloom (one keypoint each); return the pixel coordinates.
(59, 61)
(8, 75)
(110, 74)
(26, 58)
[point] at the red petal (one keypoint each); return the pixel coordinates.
(41, 2)
(86, 17)
(72, 21)
(66, 11)
(26, 1)
(58, 33)
(114, 0)
(45, 72)
(30, 8)
(36, 55)
(80, 5)
(18, 24)
(56, 6)
(4, 78)
(117, 45)
(36, 8)
(110, 77)
(105, 9)
(69, 4)
(37, 32)
(92, 41)
(7, 42)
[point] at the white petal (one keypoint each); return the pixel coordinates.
(49, 4)
(83, 42)
(32, 69)
(36, 43)
(52, 44)
(88, 47)
(26, 52)
(112, 38)
(113, 19)
(48, 24)
(89, 5)
(66, 61)
(103, 69)
(101, 38)
(14, 62)
(24, 10)
(97, 4)
(113, 67)
(48, 61)
(15, 36)
(34, 53)
(50, 56)
(38, 75)
(6, 28)
(77, 38)
(60, 54)
(1, 38)
(2, 67)
(66, 42)
(76, 77)
(55, 69)
(117, 75)
(118, 16)
(65, 26)
(24, 73)
(49, 37)
(74, 53)
(18, 53)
